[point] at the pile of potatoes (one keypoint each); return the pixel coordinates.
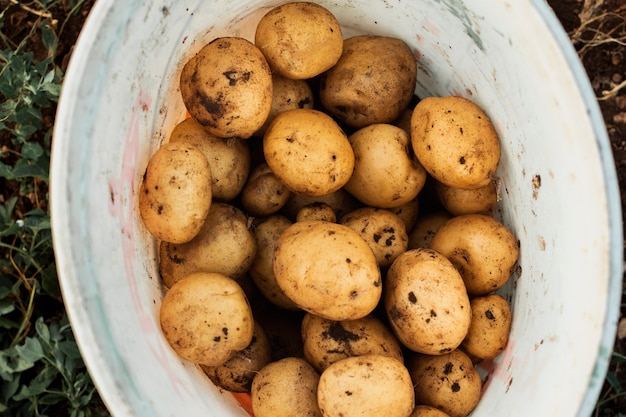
(327, 241)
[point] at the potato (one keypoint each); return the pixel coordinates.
(299, 39)
(227, 87)
(373, 81)
(229, 158)
(175, 194)
(206, 318)
(491, 324)
(286, 388)
(223, 245)
(311, 255)
(481, 248)
(383, 231)
(237, 373)
(308, 151)
(287, 94)
(427, 411)
(455, 141)
(328, 341)
(266, 234)
(264, 193)
(426, 302)
(386, 174)
(448, 382)
(458, 201)
(408, 212)
(367, 385)
(340, 201)
(425, 228)
(317, 211)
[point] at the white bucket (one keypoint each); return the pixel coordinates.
(559, 190)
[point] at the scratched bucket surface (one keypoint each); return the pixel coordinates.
(559, 190)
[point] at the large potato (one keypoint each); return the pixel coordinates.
(175, 194)
(386, 173)
(229, 158)
(455, 141)
(448, 382)
(224, 245)
(426, 302)
(308, 151)
(481, 248)
(328, 341)
(327, 269)
(286, 388)
(206, 318)
(299, 39)
(373, 81)
(491, 324)
(366, 385)
(227, 87)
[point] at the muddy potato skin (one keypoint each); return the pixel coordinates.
(229, 158)
(317, 211)
(300, 39)
(261, 271)
(224, 245)
(481, 248)
(366, 385)
(449, 382)
(428, 411)
(309, 257)
(309, 152)
(328, 341)
(491, 324)
(386, 174)
(340, 201)
(458, 201)
(206, 318)
(264, 193)
(175, 194)
(384, 231)
(426, 227)
(455, 141)
(373, 81)
(285, 388)
(237, 373)
(227, 87)
(408, 212)
(426, 302)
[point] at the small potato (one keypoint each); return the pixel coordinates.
(455, 141)
(340, 201)
(491, 324)
(237, 373)
(286, 388)
(386, 174)
(426, 227)
(300, 39)
(481, 248)
(317, 211)
(426, 302)
(308, 151)
(206, 318)
(264, 193)
(448, 382)
(309, 258)
(428, 411)
(366, 385)
(261, 270)
(458, 201)
(227, 87)
(408, 212)
(328, 341)
(287, 94)
(223, 245)
(175, 195)
(229, 158)
(383, 231)
(373, 81)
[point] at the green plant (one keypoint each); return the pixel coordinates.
(41, 369)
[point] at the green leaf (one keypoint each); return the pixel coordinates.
(32, 150)
(6, 307)
(30, 351)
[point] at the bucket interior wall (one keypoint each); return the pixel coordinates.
(121, 101)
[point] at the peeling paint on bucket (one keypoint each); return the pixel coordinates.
(558, 186)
